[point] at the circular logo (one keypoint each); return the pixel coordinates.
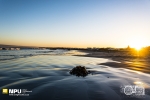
(128, 90)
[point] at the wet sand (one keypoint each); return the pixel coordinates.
(48, 78)
(130, 62)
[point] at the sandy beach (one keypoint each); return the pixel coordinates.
(141, 64)
(48, 77)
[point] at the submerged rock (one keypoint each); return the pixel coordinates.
(79, 71)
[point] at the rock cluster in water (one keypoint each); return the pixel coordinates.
(79, 71)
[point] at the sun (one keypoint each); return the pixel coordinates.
(137, 47)
(137, 43)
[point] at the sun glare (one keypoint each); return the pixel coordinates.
(137, 47)
(137, 43)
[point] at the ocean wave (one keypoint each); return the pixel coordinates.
(14, 54)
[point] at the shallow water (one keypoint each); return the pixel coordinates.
(14, 54)
(47, 76)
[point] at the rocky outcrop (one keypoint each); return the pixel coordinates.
(79, 71)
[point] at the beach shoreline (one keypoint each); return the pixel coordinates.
(48, 76)
(136, 63)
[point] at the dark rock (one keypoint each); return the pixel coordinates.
(89, 71)
(79, 71)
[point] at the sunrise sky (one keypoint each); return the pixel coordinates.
(75, 23)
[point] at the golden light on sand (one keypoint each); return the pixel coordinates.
(138, 82)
